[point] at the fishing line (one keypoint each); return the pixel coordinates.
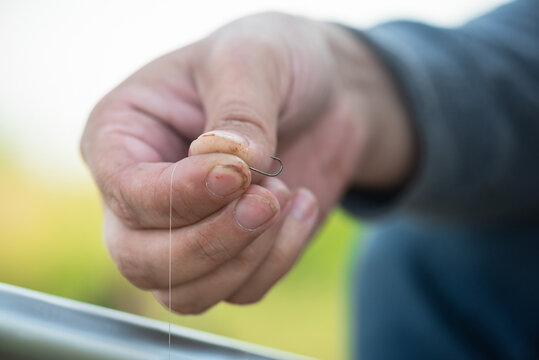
(170, 240)
(170, 258)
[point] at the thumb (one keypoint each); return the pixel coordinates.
(242, 85)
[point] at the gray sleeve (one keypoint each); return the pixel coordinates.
(473, 96)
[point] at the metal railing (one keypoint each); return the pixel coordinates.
(34, 325)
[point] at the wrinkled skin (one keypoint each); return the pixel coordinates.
(269, 84)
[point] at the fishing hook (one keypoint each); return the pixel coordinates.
(267, 174)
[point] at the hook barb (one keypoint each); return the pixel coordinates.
(268, 174)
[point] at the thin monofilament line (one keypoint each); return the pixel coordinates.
(170, 257)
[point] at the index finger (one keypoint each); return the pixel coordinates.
(196, 187)
(127, 152)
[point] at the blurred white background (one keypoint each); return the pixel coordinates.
(58, 58)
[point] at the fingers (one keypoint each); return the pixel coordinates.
(291, 241)
(150, 117)
(248, 276)
(200, 186)
(200, 294)
(142, 255)
(243, 84)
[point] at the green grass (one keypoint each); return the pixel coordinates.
(51, 242)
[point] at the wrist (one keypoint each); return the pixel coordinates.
(387, 157)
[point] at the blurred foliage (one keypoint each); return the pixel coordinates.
(50, 238)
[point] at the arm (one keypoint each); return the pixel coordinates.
(473, 97)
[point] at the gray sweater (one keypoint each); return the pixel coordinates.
(473, 97)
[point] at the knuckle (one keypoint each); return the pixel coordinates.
(184, 205)
(118, 200)
(122, 210)
(211, 249)
(129, 265)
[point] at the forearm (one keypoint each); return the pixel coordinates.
(388, 158)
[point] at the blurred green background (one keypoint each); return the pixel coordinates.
(51, 242)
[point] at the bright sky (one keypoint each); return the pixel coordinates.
(58, 58)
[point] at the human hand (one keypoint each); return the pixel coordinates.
(266, 84)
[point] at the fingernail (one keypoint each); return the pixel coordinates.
(227, 135)
(253, 211)
(224, 180)
(303, 206)
(279, 189)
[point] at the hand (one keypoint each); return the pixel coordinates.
(266, 84)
